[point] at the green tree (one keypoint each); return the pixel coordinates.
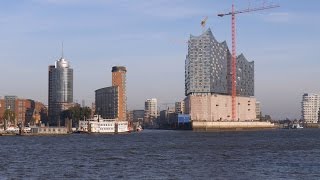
(76, 113)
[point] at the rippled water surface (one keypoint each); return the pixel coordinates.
(155, 154)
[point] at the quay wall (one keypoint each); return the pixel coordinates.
(230, 126)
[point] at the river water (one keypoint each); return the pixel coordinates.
(160, 154)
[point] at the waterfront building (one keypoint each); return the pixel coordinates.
(2, 109)
(26, 111)
(310, 107)
(206, 65)
(245, 77)
(111, 102)
(258, 110)
(10, 102)
(208, 81)
(207, 107)
(60, 90)
(150, 111)
(119, 80)
(107, 102)
(179, 107)
(138, 115)
(208, 68)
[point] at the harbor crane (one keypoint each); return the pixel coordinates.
(233, 55)
(203, 23)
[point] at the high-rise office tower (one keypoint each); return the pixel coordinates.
(119, 79)
(310, 107)
(60, 91)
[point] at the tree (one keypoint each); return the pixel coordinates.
(76, 113)
(9, 116)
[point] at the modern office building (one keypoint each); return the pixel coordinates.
(107, 102)
(208, 81)
(119, 79)
(60, 91)
(111, 102)
(310, 107)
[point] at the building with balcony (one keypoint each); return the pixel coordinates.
(310, 107)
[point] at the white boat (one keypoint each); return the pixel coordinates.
(101, 125)
(12, 129)
(296, 126)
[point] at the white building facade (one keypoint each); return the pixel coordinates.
(310, 107)
(151, 107)
(179, 107)
(150, 111)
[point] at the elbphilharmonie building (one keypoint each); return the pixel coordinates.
(208, 68)
(208, 81)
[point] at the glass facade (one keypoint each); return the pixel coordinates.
(107, 102)
(60, 89)
(208, 68)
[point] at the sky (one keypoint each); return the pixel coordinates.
(150, 37)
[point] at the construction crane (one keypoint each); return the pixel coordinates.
(203, 23)
(233, 58)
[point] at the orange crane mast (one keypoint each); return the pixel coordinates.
(233, 55)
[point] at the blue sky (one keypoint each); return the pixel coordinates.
(149, 38)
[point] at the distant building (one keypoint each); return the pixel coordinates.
(93, 108)
(150, 111)
(258, 110)
(119, 79)
(111, 102)
(107, 102)
(138, 115)
(310, 107)
(26, 111)
(60, 91)
(179, 107)
(167, 117)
